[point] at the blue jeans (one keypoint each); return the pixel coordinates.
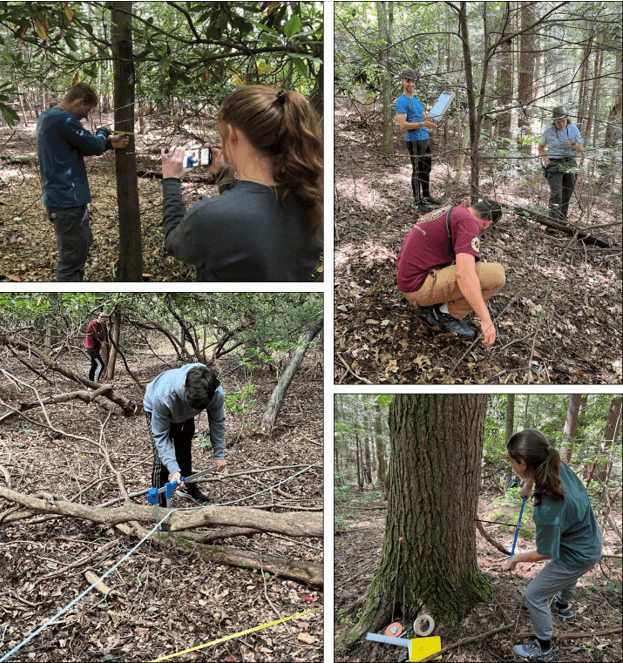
(73, 239)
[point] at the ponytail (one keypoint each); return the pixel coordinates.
(533, 448)
(284, 126)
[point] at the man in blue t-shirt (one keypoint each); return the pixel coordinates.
(62, 143)
(411, 119)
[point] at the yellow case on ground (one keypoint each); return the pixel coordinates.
(422, 647)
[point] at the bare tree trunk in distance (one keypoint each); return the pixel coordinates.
(385, 18)
(130, 243)
(429, 548)
(276, 398)
(115, 334)
(525, 86)
(571, 425)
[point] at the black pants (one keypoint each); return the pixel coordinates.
(421, 164)
(181, 436)
(561, 185)
(73, 239)
(97, 364)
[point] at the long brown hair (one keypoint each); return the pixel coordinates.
(284, 126)
(533, 448)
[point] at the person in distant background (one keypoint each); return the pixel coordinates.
(171, 403)
(62, 144)
(558, 146)
(567, 537)
(411, 119)
(95, 335)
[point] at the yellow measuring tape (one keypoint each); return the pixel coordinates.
(234, 635)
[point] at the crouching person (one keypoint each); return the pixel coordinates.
(439, 268)
(171, 403)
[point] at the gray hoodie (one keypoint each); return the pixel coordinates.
(164, 400)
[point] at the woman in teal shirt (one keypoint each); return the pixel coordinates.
(567, 535)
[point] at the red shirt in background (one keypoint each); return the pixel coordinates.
(426, 245)
(94, 333)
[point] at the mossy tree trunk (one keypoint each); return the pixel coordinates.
(429, 549)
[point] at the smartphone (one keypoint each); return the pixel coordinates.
(197, 156)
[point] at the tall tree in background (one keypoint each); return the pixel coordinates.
(527, 47)
(429, 548)
(130, 266)
(571, 426)
(385, 17)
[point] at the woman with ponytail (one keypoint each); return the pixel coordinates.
(267, 223)
(567, 535)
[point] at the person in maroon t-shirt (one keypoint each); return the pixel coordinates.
(444, 273)
(95, 334)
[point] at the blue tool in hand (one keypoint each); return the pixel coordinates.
(523, 504)
(153, 496)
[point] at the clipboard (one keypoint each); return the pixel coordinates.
(442, 104)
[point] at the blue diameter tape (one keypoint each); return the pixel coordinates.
(78, 598)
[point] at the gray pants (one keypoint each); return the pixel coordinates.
(73, 239)
(554, 580)
(561, 185)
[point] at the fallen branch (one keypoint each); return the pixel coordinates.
(487, 537)
(290, 523)
(584, 234)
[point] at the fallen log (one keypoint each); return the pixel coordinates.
(129, 407)
(584, 234)
(291, 523)
(85, 396)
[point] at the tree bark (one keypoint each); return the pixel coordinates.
(429, 549)
(115, 334)
(385, 18)
(276, 398)
(381, 466)
(130, 241)
(571, 425)
(525, 87)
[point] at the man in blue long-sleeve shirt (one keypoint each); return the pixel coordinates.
(171, 403)
(62, 144)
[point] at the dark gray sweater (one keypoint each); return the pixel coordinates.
(245, 234)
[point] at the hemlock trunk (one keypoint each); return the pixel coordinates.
(429, 549)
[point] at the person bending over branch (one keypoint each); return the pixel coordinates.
(439, 268)
(567, 536)
(267, 223)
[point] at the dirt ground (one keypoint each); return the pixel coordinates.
(165, 598)
(358, 546)
(558, 320)
(27, 244)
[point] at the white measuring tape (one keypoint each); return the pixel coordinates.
(80, 596)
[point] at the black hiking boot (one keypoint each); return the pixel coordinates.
(192, 491)
(431, 200)
(437, 318)
(565, 613)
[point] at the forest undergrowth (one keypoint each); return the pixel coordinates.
(164, 598)
(360, 526)
(558, 318)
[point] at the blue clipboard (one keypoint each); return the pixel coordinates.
(442, 104)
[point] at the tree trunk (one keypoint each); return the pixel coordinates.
(367, 467)
(525, 87)
(385, 18)
(380, 448)
(471, 103)
(599, 470)
(276, 398)
(359, 463)
(571, 425)
(510, 416)
(115, 335)
(429, 549)
(130, 243)
(613, 129)
(505, 85)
